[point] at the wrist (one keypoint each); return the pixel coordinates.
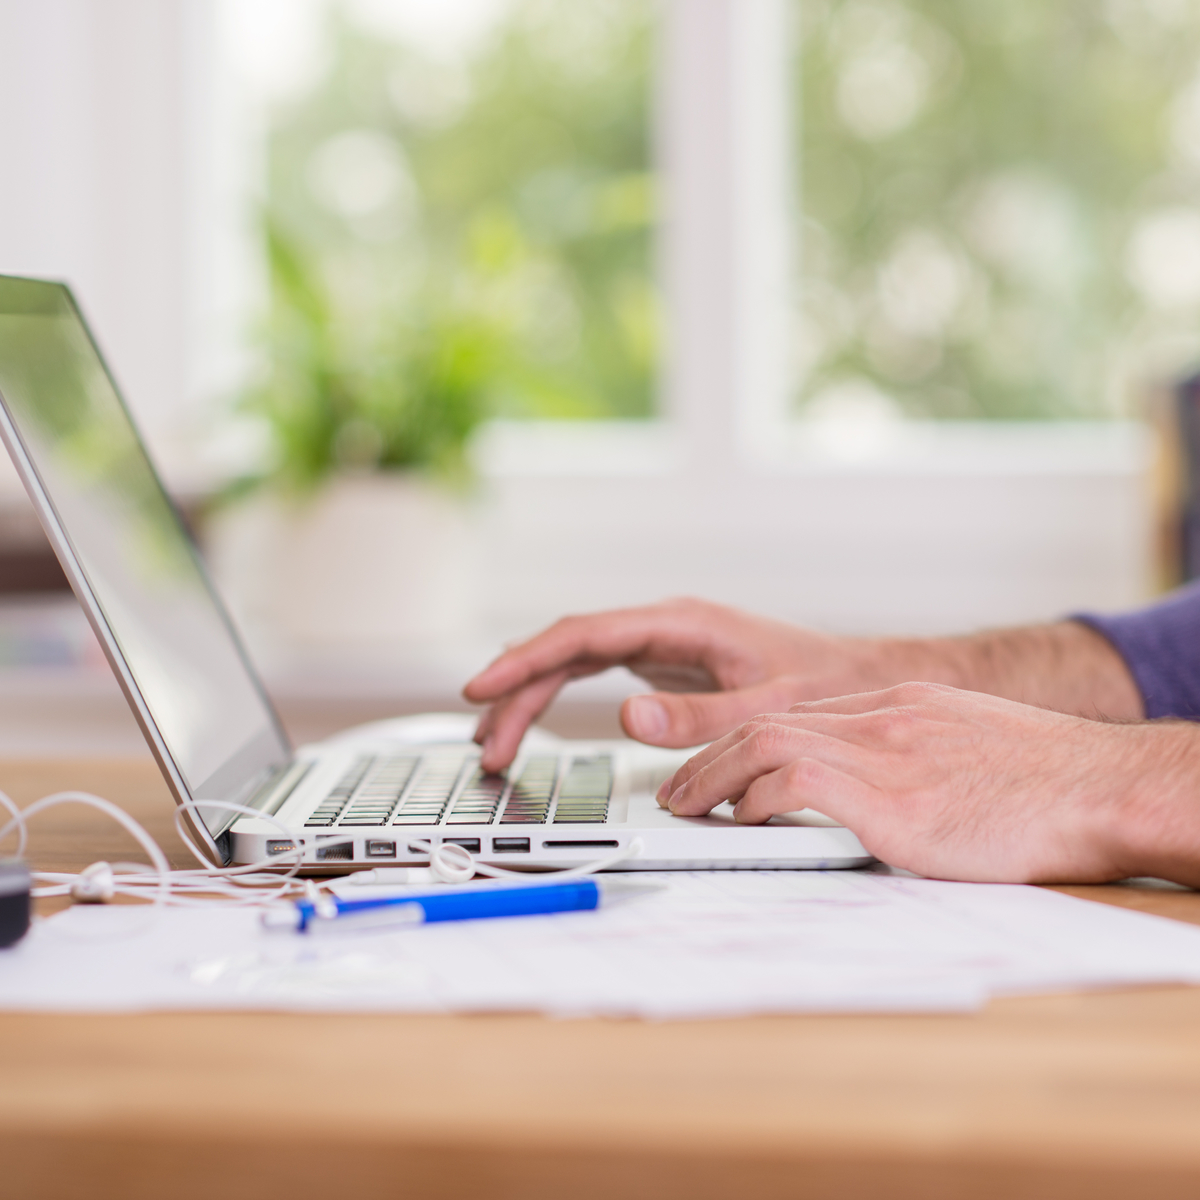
(924, 660)
(1154, 824)
(1064, 666)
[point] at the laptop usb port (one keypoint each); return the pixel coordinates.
(471, 844)
(381, 849)
(280, 847)
(342, 852)
(510, 845)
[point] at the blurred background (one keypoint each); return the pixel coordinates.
(446, 317)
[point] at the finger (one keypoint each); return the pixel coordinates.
(487, 721)
(484, 725)
(564, 642)
(599, 640)
(709, 754)
(702, 758)
(498, 710)
(501, 712)
(807, 783)
(768, 748)
(509, 719)
(679, 720)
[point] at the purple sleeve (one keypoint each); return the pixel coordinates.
(1161, 647)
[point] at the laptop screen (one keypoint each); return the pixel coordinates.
(147, 583)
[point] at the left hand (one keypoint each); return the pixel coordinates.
(961, 785)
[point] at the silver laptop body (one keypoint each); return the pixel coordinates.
(358, 799)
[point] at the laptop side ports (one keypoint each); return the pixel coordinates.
(510, 845)
(378, 849)
(581, 844)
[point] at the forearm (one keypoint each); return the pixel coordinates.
(1065, 666)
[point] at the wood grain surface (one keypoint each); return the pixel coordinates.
(1056, 1097)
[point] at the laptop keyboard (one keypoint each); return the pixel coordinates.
(410, 789)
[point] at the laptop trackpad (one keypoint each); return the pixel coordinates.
(644, 811)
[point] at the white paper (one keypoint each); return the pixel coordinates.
(710, 944)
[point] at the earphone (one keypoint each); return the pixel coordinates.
(252, 884)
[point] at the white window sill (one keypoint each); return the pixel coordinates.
(509, 450)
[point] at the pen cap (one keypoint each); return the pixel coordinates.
(15, 882)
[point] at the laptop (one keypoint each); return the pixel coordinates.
(361, 799)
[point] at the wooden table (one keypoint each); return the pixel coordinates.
(1056, 1097)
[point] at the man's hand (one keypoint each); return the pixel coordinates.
(735, 665)
(959, 785)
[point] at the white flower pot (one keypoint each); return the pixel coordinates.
(369, 564)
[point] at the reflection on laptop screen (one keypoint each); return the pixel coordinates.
(129, 544)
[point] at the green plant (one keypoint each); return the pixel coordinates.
(450, 239)
(505, 187)
(393, 394)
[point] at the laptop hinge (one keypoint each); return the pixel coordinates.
(274, 785)
(269, 797)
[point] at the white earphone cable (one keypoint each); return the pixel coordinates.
(451, 863)
(258, 883)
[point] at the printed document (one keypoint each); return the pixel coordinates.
(709, 944)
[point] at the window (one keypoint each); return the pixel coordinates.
(945, 524)
(481, 176)
(999, 204)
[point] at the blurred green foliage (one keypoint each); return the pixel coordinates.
(407, 397)
(999, 200)
(997, 206)
(460, 237)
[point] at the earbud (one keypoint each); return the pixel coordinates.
(94, 884)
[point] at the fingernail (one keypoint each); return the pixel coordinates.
(646, 717)
(676, 796)
(664, 793)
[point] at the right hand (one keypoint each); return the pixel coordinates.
(713, 668)
(956, 784)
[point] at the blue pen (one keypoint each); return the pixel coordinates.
(307, 916)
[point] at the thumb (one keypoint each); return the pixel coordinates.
(676, 720)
